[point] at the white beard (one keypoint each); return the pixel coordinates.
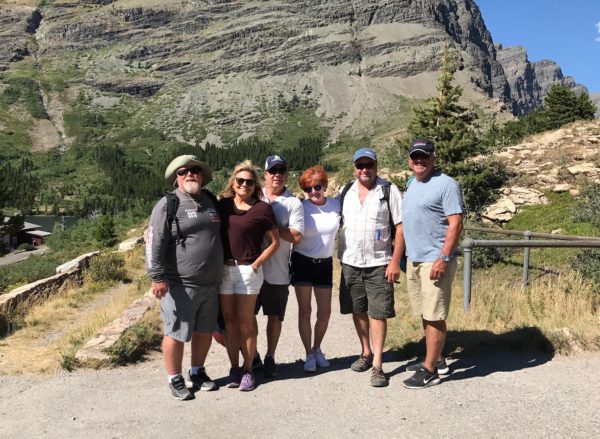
(191, 187)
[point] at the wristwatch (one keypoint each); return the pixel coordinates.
(445, 258)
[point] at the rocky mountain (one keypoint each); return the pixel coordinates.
(216, 70)
(530, 81)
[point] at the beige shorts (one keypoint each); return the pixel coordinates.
(429, 299)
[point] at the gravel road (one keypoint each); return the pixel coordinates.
(489, 394)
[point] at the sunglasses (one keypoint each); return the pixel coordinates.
(422, 157)
(316, 187)
(280, 171)
(248, 181)
(361, 166)
(184, 171)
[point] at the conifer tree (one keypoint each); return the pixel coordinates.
(562, 105)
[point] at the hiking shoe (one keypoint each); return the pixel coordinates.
(269, 367)
(363, 363)
(320, 358)
(442, 367)
(179, 389)
(247, 383)
(234, 379)
(202, 382)
(256, 362)
(310, 364)
(421, 379)
(378, 378)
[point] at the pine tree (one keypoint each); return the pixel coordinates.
(562, 106)
(450, 126)
(104, 231)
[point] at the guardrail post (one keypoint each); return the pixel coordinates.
(526, 250)
(468, 245)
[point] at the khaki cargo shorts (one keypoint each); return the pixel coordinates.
(429, 299)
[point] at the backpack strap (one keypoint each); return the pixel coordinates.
(386, 197)
(342, 196)
(172, 206)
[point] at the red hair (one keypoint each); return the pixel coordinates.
(314, 173)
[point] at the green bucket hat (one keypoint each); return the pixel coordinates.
(188, 161)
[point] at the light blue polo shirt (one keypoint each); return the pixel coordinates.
(425, 208)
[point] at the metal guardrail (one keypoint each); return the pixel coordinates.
(559, 241)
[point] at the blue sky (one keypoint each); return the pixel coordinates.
(567, 32)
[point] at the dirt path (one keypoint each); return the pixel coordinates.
(490, 394)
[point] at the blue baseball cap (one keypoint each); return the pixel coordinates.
(364, 152)
(274, 160)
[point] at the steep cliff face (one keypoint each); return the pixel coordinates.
(529, 81)
(17, 24)
(200, 68)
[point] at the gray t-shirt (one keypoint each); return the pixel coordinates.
(197, 263)
(425, 208)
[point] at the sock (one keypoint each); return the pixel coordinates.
(270, 356)
(195, 369)
(172, 377)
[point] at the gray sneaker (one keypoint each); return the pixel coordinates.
(363, 363)
(442, 367)
(202, 382)
(179, 389)
(378, 378)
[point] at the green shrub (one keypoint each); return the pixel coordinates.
(33, 268)
(134, 342)
(587, 263)
(26, 247)
(104, 231)
(587, 208)
(108, 267)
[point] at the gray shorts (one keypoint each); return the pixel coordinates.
(366, 290)
(185, 310)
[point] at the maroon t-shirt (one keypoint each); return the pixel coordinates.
(243, 233)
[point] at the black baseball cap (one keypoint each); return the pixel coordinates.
(421, 145)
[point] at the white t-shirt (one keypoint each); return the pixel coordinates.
(288, 213)
(321, 224)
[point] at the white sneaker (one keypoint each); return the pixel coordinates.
(320, 358)
(310, 364)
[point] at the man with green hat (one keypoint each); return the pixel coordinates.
(184, 258)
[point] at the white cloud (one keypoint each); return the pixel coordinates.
(598, 28)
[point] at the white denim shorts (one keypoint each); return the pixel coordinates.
(241, 279)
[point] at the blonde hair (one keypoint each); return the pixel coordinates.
(245, 166)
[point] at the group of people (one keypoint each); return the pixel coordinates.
(232, 256)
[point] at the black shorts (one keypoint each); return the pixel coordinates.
(273, 300)
(307, 271)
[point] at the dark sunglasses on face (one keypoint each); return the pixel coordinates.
(316, 187)
(361, 166)
(247, 181)
(416, 157)
(279, 171)
(184, 171)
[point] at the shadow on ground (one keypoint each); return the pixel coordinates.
(471, 354)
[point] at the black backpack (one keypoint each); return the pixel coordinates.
(173, 205)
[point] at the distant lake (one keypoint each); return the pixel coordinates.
(47, 221)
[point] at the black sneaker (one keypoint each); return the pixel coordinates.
(202, 382)
(257, 362)
(442, 367)
(269, 367)
(421, 379)
(363, 363)
(378, 379)
(179, 389)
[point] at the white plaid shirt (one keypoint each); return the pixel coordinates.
(365, 238)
